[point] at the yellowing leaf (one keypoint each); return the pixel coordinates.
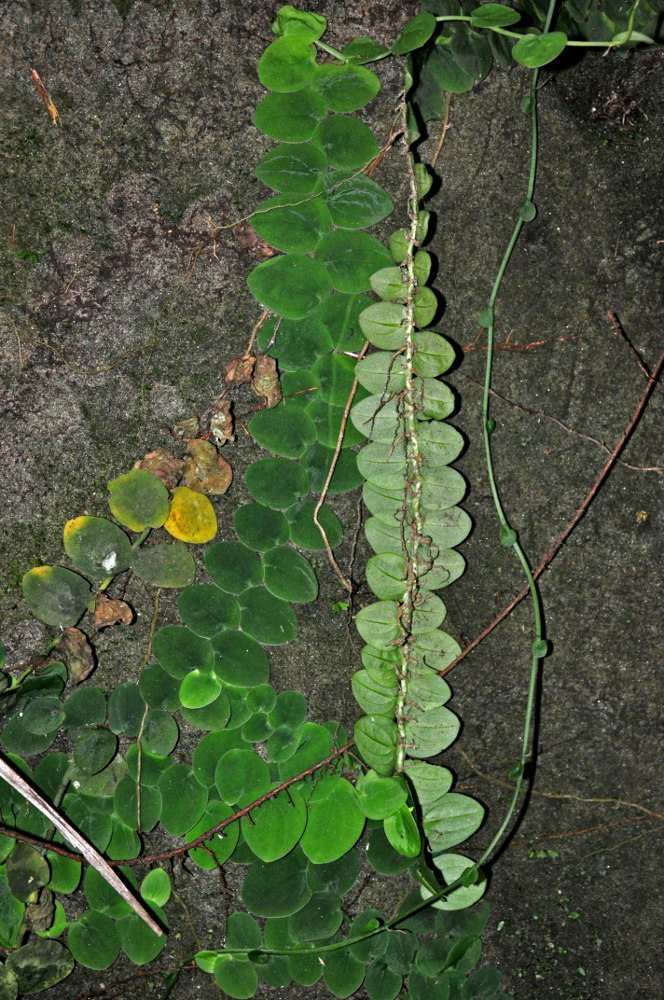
(192, 517)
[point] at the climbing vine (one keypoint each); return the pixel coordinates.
(284, 798)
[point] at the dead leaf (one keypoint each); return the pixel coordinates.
(186, 429)
(221, 423)
(75, 652)
(46, 98)
(163, 464)
(265, 382)
(249, 239)
(240, 370)
(205, 470)
(110, 612)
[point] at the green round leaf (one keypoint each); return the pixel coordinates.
(156, 887)
(494, 15)
(160, 732)
(345, 87)
(382, 857)
(139, 500)
(301, 23)
(93, 940)
(351, 258)
(346, 142)
(165, 565)
(537, 50)
(305, 532)
(300, 342)
(290, 118)
(335, 820)
(267, 618)
(43, 715)
(471, 51)
(417, 31)
(427, 733)
(95, 750)
(373, 697)
(452, 866)
(295, 167)
(450, 820)
(378, 418)
(180, 650)
(314, 743)
(336, 374)
(221, 844)
(84, 707)
(343, 974)
(289, 576)
(340, 312)
(260, 527)
(199, 688)
(291, 221)
(291, 284)
(318, 919)
(138, 941)
(125, 802)
(233, 567)
(355, 201)
(57, 596)
(240, 660)
(241, 776)
(97, 547)
(277, 482)
(206, 611)
(211, 749)
(276, 826)
(381, 372)
(384, 325)
(282, 431)
(402, 832)
(235, 977)
(277, 888)
(376, 739)
(382, 465)
(380, 796)
(125, 709)
(158, 688)
(433, 355)
(287, 64)
(183, 799)
(318, 459)
(213, 716)
(152, 765)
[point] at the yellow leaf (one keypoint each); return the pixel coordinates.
(192, 517)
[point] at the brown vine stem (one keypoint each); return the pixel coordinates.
(330, 473)
(85, 849)
(562, 538)
(92, 856)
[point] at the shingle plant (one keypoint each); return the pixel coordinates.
(284, 799)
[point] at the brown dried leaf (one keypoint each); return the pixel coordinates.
(265, 382)
(221, 423)
(75, 652)
(249, 239)
(110, 612)
(163, 464)
(240, 370)
(186, 429)
(205, 470)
